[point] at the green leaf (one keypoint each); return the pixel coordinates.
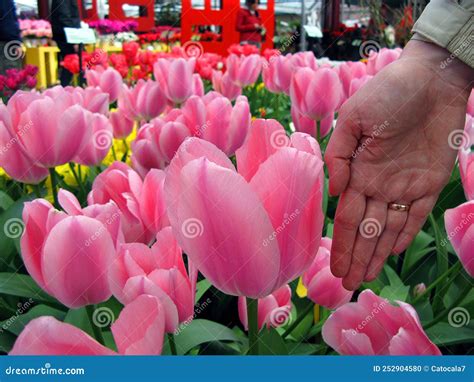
(7, 340)
(416, 251)
(80, 319)
(303, 348)
(445, 334)
(271, 343)
(16, 284)
(201, 288)
(199, 332)
(5, 200)
(395, 293)
(16, 323)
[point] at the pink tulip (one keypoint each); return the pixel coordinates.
(156, 144)
(244, 70)
(277, 74)
(278, 232)
(378, 60)
(309, 126)
(458, 223)
(73, 271)
(92, 99)
(470, 104)
(143, 102)
(348, 72)
(304, 60)
(198, 85)
(95, 150)
(139, 330)
(323, 288)
(157, 271)
(152, 201)
(357, 83)
(122, 185)
(223, 84)
(316, 94)
(122, 126)
(176, 78)
(466, 158)
(108, 80)
(372, 326)
(274, 310)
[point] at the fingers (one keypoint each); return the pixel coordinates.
(370, 228)
(342, 145)
(393, 225)
(417, 214)
(349, 213)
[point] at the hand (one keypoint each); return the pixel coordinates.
(391, 144)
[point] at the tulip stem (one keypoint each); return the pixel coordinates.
(298, 320)
(54, 187)
(252, 318)
(95, 329)
(172, 344)
(77, 177)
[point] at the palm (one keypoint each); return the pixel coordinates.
(395, 132)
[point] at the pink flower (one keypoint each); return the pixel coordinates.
(304, 60)
(152, 201)
(279, 184)
(92, 99)
(122, 185)
(470, 104)
(357, 83)
(378, 60)
(223, 84)
(108, 80)
(460, 229)
(157, 271)
(277, 74)
(309, 126)
(143, 102)
(349, 71)
(244, 70)
(391, 330)
(176, 78)
(122, 126)
(72, 270)
(323, 288)
(48, 336)
(466, 158)
(316, 94)
(273, 310)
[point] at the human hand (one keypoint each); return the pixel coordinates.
(392, 145)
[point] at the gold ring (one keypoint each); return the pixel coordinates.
(399, 207)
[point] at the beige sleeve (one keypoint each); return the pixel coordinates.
(449, 24)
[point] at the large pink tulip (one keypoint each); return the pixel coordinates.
(273, 310)
(277, 74)
(244, 70)
(122, 126)
(276, 197)
(157, 271)
(459, 223)
(304, 60)
(316, 94)
(152, 201)
(74, 271)
(144, 101)
(357, 83)
(466, 157)
(108, 80)
(92, 99)
(349, 71)
(223, 84)
(122, 185)
(156, 144)
(378, 60)
(95, 149)
(309, 126)
(372, 326)
(176, 78)
(139, 330)
(323, 288)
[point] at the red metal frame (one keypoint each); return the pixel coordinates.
(88, 14)
(225, 18)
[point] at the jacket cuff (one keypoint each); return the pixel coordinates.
(449, 25)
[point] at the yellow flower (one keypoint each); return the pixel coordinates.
(120, 148)
(260, 86)
(301, 290)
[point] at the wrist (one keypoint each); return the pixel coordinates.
(441, 61)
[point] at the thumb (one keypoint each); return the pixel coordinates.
(339, 153)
